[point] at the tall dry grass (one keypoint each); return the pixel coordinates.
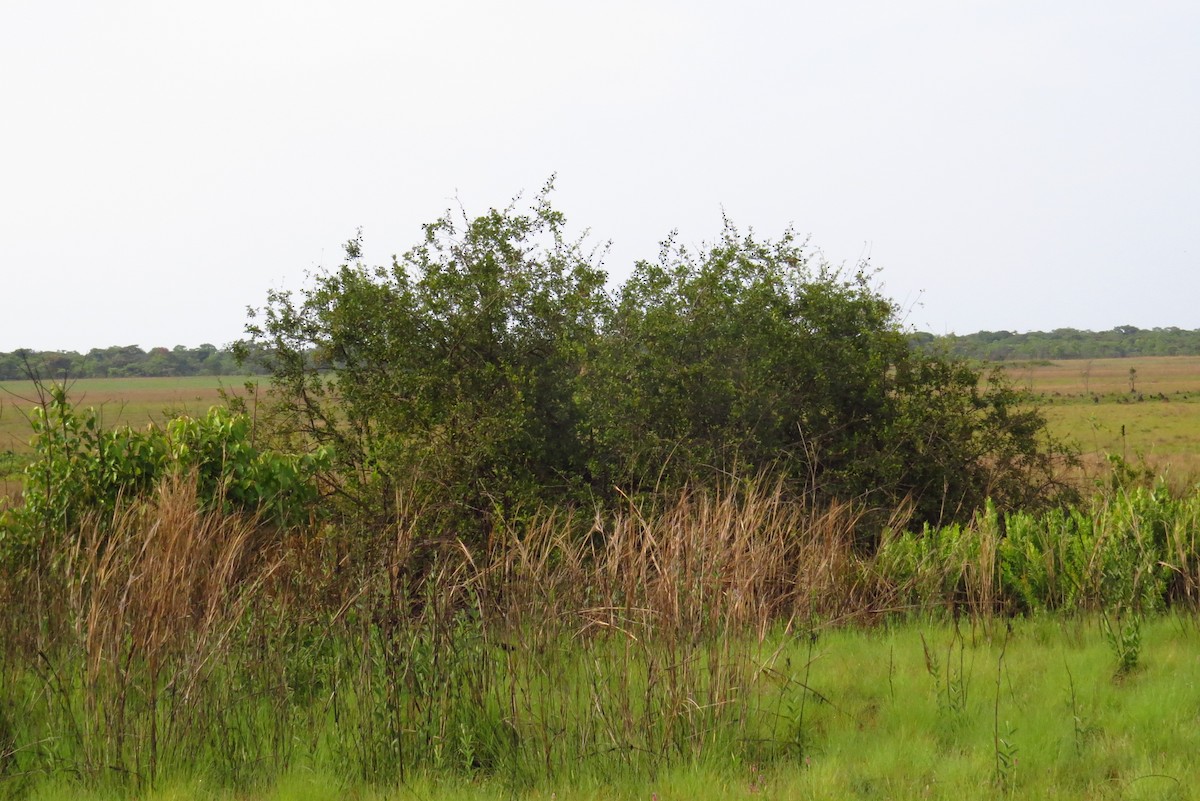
(126, 624)
(626, 639)
(708, 563)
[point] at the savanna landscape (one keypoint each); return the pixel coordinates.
(483, 528)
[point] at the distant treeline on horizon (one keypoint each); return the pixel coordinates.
(123, 361)
(1064, 343)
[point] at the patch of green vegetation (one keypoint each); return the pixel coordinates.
(486, 371)
(135, 402)
(81, 470)
(909, 710)
(11, 464)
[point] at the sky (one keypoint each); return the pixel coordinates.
(1018, 165)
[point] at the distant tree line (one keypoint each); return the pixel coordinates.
(121, 361)
(1063, 343)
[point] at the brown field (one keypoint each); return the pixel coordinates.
(121, 401)
(1167, 375)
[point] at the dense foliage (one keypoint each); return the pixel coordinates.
(487, 369)
(1064, 343)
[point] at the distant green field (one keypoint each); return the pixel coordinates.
(1091, 402)
(122, 401)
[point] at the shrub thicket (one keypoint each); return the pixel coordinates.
(488, 369)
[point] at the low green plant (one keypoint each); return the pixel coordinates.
(1122, 628)
(951, 684)
(80, 468)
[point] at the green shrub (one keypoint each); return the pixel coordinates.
(81, 469)
(486, 370)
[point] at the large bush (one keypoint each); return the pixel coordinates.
(488, 369)
(751, 354)
(454, 374)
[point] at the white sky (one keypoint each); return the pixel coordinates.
(1025, 164)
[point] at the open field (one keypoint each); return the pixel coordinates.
(1090, 402)
(1169, 375)
(123, 401)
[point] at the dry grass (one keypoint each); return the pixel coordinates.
(706, 564)
(1169, 375)
(170, 632)
(133, 615)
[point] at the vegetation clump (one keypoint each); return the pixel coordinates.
(79, 469)
(488, 369)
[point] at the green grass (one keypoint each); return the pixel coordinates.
(910, 710)
(1165, 436)
(691, 653)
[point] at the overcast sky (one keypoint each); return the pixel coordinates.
(1020, 165)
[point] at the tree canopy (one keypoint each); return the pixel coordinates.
(118, 361)
(488, 368)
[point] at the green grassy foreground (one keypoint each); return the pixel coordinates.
(730, 645)
(907, 710)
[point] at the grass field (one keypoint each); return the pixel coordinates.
(122, 401)
(1170, 375)
(1157, 423)
(128, 401)
(908, 711)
